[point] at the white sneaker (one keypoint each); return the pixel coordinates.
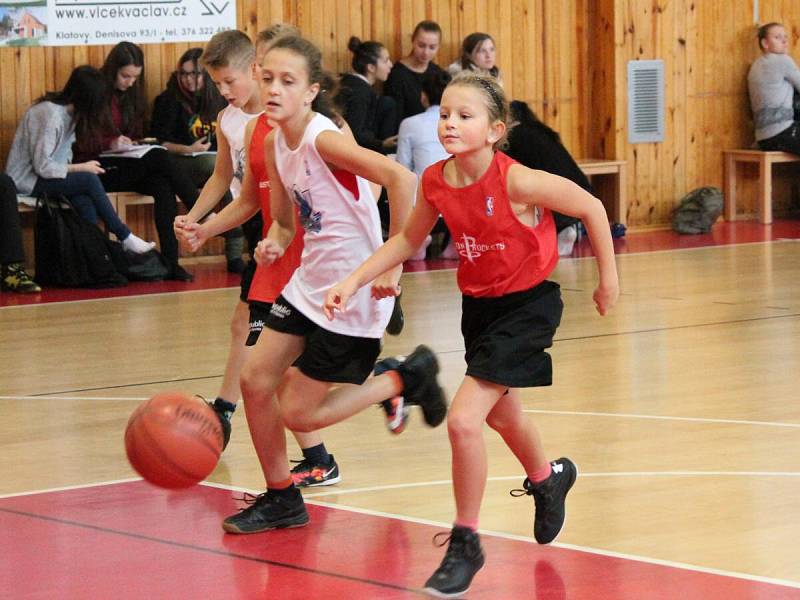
(566, 240)
(136, 245)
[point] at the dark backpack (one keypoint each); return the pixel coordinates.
(698, 210)
(149, 266)
(70, 251)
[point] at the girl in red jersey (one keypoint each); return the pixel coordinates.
(500, 215)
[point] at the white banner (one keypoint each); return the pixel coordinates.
(79, 22)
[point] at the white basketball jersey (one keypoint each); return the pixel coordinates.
(342, 228)
(233, 123)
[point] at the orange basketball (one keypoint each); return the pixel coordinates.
(173, 440)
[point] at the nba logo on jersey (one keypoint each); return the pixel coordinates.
(489, 206)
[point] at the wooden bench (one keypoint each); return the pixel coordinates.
(618, 169)
(765, 160)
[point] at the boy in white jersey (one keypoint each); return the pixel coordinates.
(231, 61)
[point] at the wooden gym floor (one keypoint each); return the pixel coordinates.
(680, 408)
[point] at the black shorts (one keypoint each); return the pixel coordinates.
(247, 279)
(328, 356)
(259, 312)
(505, 337)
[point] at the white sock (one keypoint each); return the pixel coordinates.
(137, 245)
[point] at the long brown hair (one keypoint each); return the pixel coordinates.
(87, 92)
(205, 102)
(132, 102)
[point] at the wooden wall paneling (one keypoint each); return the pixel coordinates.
(8, 102)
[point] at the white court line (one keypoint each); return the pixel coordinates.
(446, 526)
(109, 398)
(71, 487)
(661, 418)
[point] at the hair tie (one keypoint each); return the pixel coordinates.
(491, 91)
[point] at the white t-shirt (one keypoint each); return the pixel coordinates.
(342, 228)
(232, 123)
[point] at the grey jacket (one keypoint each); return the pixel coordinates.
(771, 81)
(42, 146)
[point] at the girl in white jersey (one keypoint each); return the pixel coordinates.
(316, 168)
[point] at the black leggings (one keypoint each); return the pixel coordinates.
(156, 175)
(11, 250)
(787, 140)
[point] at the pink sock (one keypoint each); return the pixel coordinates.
(542, 474)
(471, 525)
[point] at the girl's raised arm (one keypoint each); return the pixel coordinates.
(396, 250)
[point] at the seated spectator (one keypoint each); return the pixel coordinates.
(535, 145)
(772, 81)
(13, 277)
(154, 174)
(184, 121)
(418, 144)
(40, 160)
(477, 54)
(372, 118)
(405, 79)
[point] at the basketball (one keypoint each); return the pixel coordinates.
(173, 440)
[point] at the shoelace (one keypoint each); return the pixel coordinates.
(251, 499)
(521, 492)
(455, 550)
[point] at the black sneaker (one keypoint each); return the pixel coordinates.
(270, 510)
(550, 496)
(418, 372)
(309, 474)
(464, 558)
(397, 321)
(395, 409)
(224, 420)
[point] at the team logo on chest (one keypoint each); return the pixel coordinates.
(310, 219)
(489, 206)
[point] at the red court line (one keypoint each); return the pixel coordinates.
(132, 540)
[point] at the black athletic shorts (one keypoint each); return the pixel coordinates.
(505, 337)
(328, 356)
(247, 279)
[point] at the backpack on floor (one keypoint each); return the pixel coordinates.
(71, 251)
(148, 266)
(698, 210)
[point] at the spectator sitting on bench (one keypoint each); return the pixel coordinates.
(532, 143)
(13, 277)
(154, 174)
(40, 160)
(772, 81)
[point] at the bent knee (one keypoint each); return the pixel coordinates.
(296, 419)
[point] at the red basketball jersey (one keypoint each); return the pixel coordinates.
(498, 254)
(269, 280)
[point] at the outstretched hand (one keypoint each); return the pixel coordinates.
(268, 251)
